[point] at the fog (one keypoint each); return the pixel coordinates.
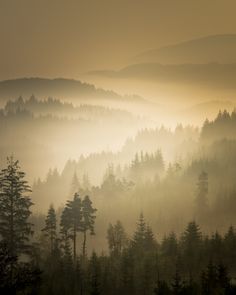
(117, 147)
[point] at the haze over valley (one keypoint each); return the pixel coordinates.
(118, 147)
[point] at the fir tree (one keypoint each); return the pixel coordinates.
(88, 219)
(15, 204)
(138, 241)
(191, 247)
(71, 221)
(50, 229)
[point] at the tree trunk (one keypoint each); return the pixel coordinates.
(51, 243)
(11, 237)
(84, 244)
(74, 245)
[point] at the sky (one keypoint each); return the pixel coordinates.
(64, 38)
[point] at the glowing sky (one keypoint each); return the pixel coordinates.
(54, 38)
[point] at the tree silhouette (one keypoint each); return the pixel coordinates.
(191, 248)
(71, 221)
(50, 229)
(15, 204)
(88, 219)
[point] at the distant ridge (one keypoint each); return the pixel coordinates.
(58, 88)
(211, 74)
(213, 48)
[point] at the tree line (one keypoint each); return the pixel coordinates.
(137, 263)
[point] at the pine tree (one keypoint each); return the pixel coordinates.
(191, 246)
(50, 229)
(88, 219)
(15, 204)
(71, 221)
(150, 243)
(138, 241)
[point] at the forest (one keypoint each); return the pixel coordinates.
(117, 147)
(157, 217)
(190, 263)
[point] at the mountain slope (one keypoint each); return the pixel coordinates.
(216, 48)
(65, 89)
(212, 74)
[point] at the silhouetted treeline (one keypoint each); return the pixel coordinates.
(135, 263)
(56, 107)
(223, 126)
(56, 131)
(149, 182)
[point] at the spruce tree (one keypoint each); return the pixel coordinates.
(138, 241)
(150, 243)
(15, 204)
(191, 247)
(50, 229)
(71, 221)
(88, 219)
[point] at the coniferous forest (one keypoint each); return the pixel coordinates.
(117, 147)
(130, 233)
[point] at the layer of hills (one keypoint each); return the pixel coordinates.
(216, 48)
(211, 74)
(66, 89)
(208, 61)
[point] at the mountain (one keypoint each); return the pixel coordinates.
(211, 74)
(60, 88)
(216, 48)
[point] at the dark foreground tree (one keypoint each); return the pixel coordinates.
(71, 222)
(16, 275)
(50, 229)
(24, 278)
(88, 220)
(15, 204)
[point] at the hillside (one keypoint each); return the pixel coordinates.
(211, 74)
(216, 48)
(65, 89)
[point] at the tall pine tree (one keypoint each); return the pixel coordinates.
(15, 204)
(88, 220)
(71, 221)
(50, 229)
